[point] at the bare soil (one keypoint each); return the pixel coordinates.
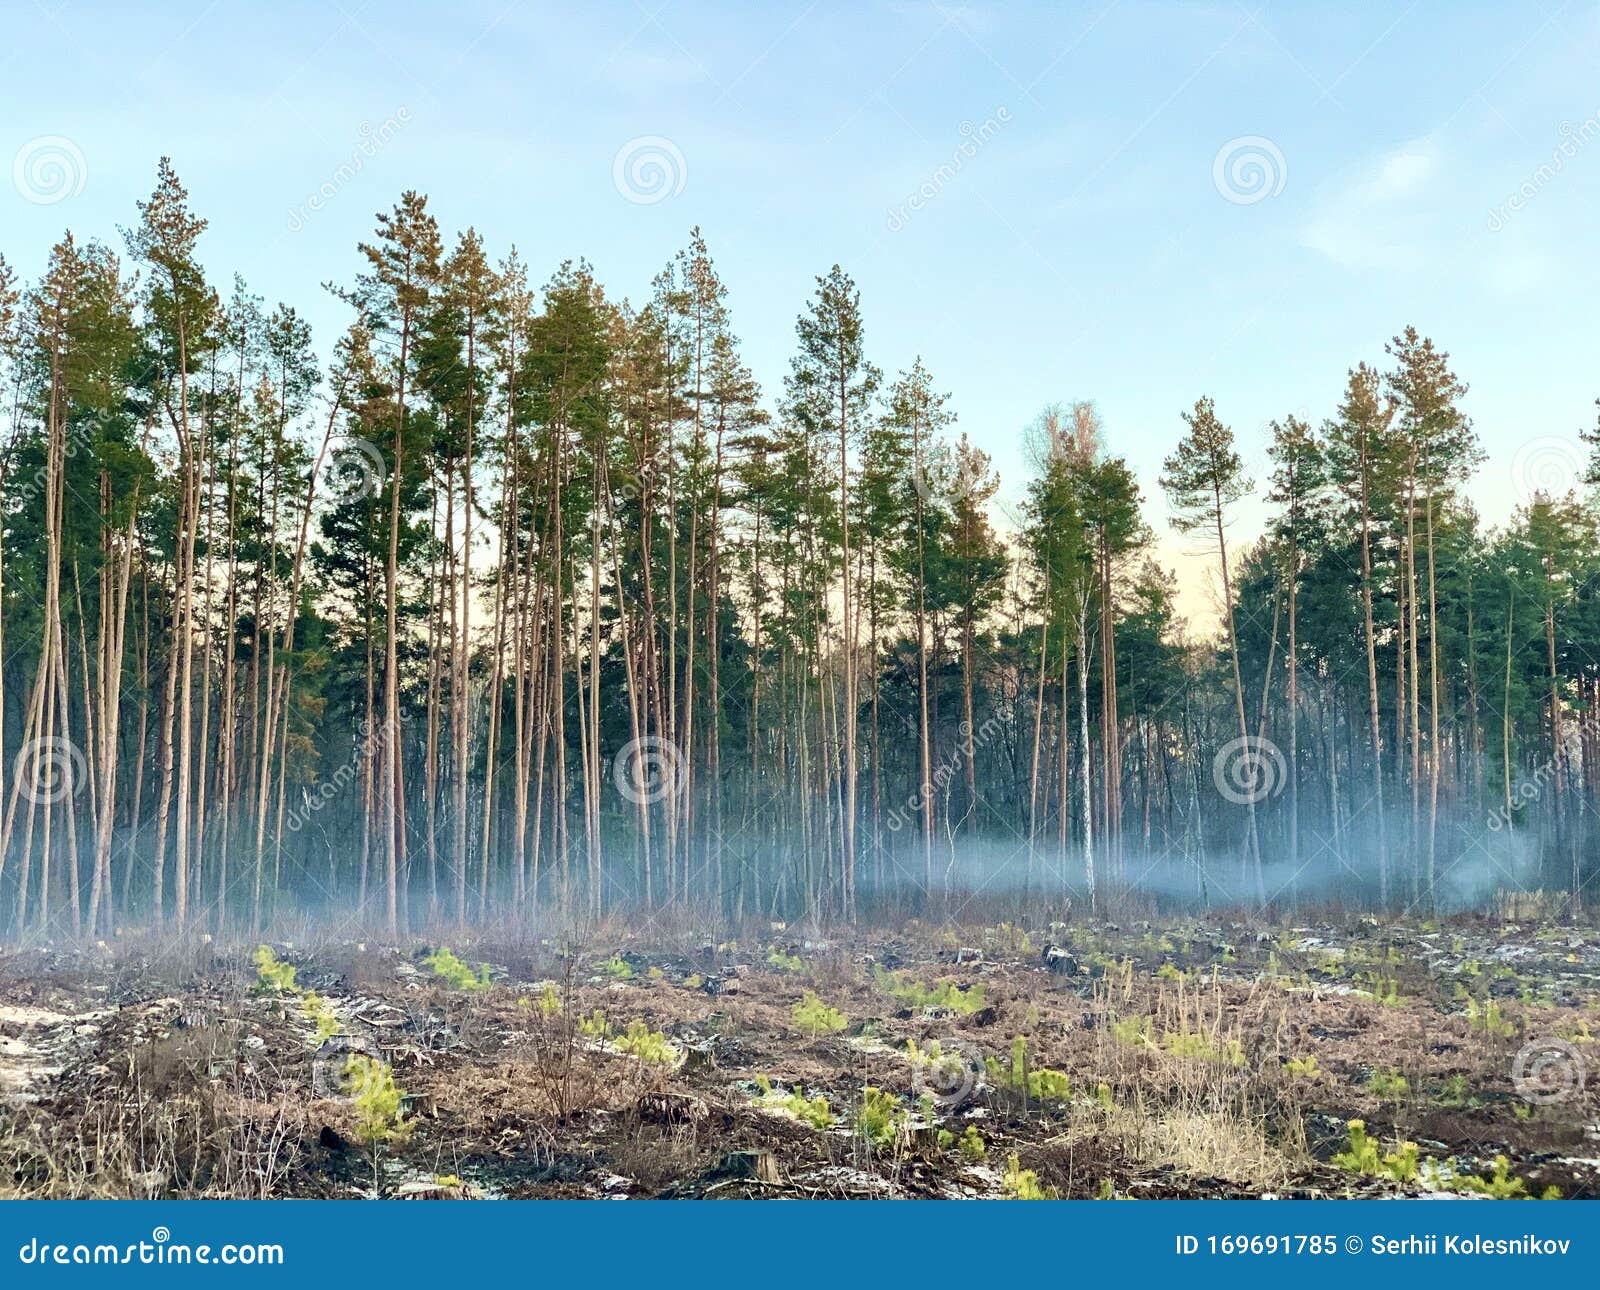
(1202, 1059)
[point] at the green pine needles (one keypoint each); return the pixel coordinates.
(455, 972)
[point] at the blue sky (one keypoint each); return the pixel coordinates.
(1092, 241)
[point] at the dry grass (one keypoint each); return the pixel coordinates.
(1176, 1041)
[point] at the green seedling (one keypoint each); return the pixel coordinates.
(317, 1010)
(1022, 1184)
(880, 1117)
(1489, 1020)
(1387, 1084)
(947, 995)
(1360, 1156)
(817, 1018)
(273, 976)
(380, 1122)
(813, 1111)
(1196, 1045)
(454, 972)
(649, 1046)
(1042, 1084)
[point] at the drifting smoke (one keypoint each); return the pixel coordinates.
(1472, 863)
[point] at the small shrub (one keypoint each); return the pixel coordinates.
(1388, 1085)
(379, 1120)
(784, 961)
(813, 1111)
(1501, 1184)
(377, 1098)
(817, 1018)
(1042, 1084)
(617, 968)
(880, 1116)
(1305, 1068)
(1385, 989)
(1455, 1092)
(946, 1068)
(947, 995)
(454, 972)
(273, 976)
(1196, 1045)
(1134, 1032)
(1360, 1156)
(649, 1046)
(1488, 1020)
(596, 1027)
(972, 1146)
(1022, 1184)
(316, 1009)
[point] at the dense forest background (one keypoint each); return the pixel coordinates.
(530, 602)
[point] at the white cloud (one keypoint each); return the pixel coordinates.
(1378, 217)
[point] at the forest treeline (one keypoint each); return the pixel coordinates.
(530, 601)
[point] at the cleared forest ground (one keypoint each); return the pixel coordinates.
(1089, 1059)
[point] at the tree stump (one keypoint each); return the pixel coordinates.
(758, 1166)
(672, 1108)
